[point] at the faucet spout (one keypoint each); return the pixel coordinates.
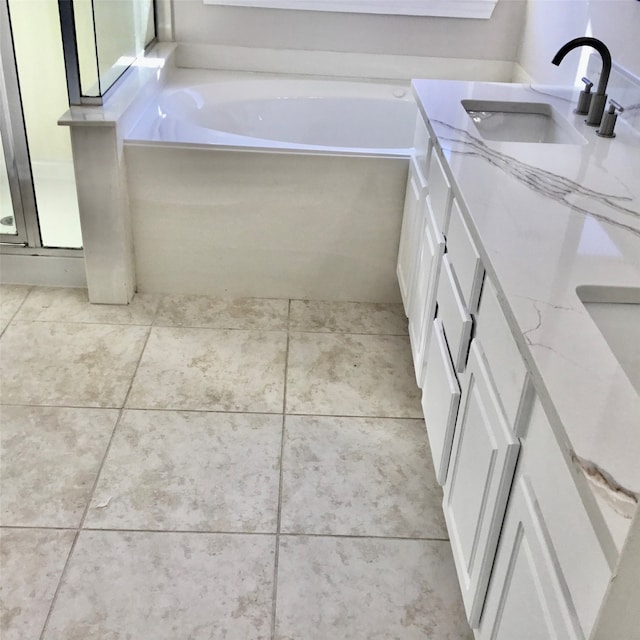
(600, 98)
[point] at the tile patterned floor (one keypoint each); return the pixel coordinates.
(186, 468)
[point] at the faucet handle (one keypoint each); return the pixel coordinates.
(609, 120)
(584, 99)
(613, 106)
(588, 84)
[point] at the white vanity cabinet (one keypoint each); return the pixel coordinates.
(508, 490)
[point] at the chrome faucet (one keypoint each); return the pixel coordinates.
(599, 100)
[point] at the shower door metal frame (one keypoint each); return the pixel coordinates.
(14, 141)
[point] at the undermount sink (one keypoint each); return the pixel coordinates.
(616, 312)
(506, 121)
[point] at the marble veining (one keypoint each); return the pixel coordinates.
(546, 183)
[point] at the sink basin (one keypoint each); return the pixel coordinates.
(616, 312)
(520, 122)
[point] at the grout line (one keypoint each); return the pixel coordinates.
(276, 562)
(262, 534)
(187, 410)
(37, 527)
(364, 536)
(65, 569)
(15, 313)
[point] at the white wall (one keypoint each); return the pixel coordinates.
(551, 23)
(494, 39)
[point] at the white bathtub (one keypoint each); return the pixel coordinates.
(280, 188)
(291, 114)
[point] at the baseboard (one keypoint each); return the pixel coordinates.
(46, 271)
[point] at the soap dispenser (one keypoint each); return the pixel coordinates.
(584, 99)
(609, 120)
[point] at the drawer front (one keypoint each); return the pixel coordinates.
(454, 315)
(439, 192)
(465, 257)
(568, 527)
(440, 400)
(506, 363)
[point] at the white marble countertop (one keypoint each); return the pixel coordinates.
(550, 218)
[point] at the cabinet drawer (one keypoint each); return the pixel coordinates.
(506, 364)
(567, 525)
(465, 257)
(440, 400)
(454, 315)
(439, 198)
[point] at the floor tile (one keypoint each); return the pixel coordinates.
(31, 563)
(359, 476)
(11, 297)
(218, 313)
(166, 586)
(47, 304)
(190, 471)
(368, 589)
(50, 461)
(352, 375)
(348, 317)
(211, 369)
(68, 364)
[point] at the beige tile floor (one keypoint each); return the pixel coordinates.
(185, 468)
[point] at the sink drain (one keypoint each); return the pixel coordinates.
(7, 221)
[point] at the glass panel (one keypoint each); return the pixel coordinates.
(7, 221)
(38, 50)
(86, 44)
(123, 29)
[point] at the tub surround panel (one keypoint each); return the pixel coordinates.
(549, 218)
(237, 224)
(196, 55)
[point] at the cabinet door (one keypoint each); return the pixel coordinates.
(440, 400)
(483, 458)
(525, 599)
(414, 202)
(423, 297)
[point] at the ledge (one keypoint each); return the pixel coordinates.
(478, 9)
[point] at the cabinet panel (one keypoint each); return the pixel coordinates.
(422, 145)
(526, 598)
(439, 192)
(454, 314)
(501, 352)
(570, 532)
(423, 297)
(483, 459)
(440, 400)
(465, 258)
(410, 233)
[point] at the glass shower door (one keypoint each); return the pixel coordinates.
(16, 191)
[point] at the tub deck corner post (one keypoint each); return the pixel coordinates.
(104, 210)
